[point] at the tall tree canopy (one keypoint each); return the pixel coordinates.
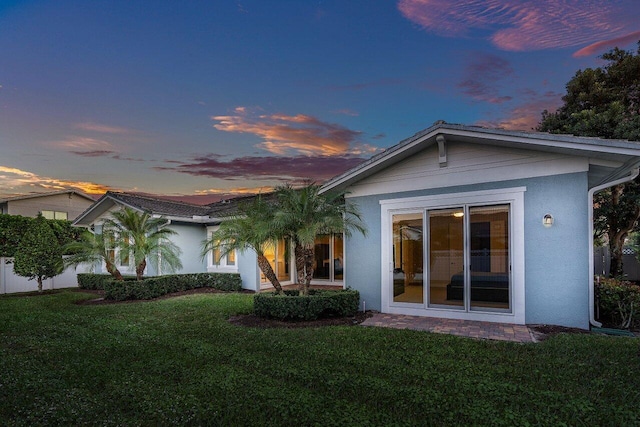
(38, 255)
(605, 102)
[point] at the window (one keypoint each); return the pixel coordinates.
(217, 261)
(54, 214)
(278, 256)
(329, 258)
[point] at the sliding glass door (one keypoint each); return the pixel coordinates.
(467, 258)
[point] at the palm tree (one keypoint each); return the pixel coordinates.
(93, 248)
(250, 228)
(303, 214)
(143, 236)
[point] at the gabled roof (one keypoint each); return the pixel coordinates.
(611, 159)
(178, 211)
(153, 206)
(157, 206)
(51, 193)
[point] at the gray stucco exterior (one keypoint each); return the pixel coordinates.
(556, 258)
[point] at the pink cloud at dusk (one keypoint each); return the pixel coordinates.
(604, 45)
(481, 78)
(523, 25)
(294, 135)
(13, 179)
(527, 115)
(96, 127)
(283, 169)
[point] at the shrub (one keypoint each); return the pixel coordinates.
(318, 304)
(96, 281)
(153, 287)
(618, 301)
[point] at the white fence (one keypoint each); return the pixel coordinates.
(11, 283)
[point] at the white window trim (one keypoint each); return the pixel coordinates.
(222, 267)
(512, 196)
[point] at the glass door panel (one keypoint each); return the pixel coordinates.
(446, 257)
(269, 250)
(338, 257)
(408, 259)
(282, 260)
(489, 257)
(321, 268)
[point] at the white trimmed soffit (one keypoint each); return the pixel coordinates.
(589, 147)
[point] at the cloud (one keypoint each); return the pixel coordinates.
(94, 153)
(481, 78)
(315, 168)
(18, 181)
(523, 25)
(291, 135)
(96, 127)
(601, 46)
(81, 143)
(527, 115)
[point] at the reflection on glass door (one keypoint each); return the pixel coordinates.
(278, 258)
(489, 256)
(408, 258)
(446, 257)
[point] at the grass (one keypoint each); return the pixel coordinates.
(179, 362)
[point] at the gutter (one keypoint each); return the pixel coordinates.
(632, 175)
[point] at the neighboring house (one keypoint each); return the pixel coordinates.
(463, 222)
(194, 223)
(66, 204)
(482, 224)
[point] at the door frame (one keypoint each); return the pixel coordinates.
(512, 196)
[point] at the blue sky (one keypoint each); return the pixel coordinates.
(200, 100)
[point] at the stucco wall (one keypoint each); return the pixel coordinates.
(556, 258)
(189, 240)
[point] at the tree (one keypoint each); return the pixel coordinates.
(93, 248)
(251, 227)
(605, 102)
(305, 213)
(143, 237)
(38, 255)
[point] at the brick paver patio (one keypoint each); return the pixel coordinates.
(464, 328)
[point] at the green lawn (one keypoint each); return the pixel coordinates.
(179, 362)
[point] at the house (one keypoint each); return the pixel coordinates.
(194, 223)
(66, 204)
(464, 223)
(482, 224)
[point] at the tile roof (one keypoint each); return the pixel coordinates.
(159, 206)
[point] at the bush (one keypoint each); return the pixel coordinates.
(96, 281)
(618, 302)
(153, 287)
(318, 304)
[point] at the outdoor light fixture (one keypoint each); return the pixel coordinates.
(547, 220)
(458, 214)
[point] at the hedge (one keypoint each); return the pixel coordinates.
(153, 287)
(318, 304)
(96, 281)
(618, 302)
(12, 228)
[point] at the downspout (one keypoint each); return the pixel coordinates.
(632, 175)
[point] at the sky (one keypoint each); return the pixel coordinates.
(202, 100)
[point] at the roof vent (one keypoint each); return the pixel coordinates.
(439, 122)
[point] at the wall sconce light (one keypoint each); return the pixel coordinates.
(547, 220)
